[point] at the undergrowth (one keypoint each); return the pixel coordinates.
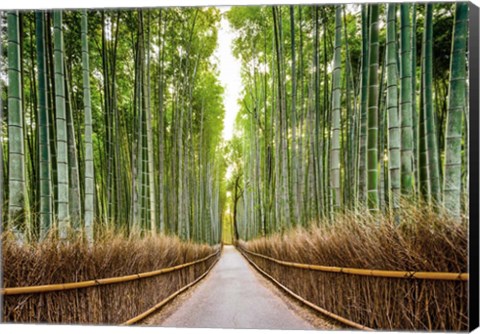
(51, 262)
(423, 239)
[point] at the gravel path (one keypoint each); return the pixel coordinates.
(232, 296)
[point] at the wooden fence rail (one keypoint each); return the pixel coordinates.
(323, 311)
(440, 276)
(158, 306)
(97, 282)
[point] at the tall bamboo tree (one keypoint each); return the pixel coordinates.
(362, 138)
(18, 211)
(89, 211)
(2, 187)
(372, 135)
(74, 190)
(151, 179)
(336, 115)
(394, 140)
(294, 156)
(406, 98)
(161, 122)
(282, 154)
(415, 112)
(429, 114)
(43, 131)
(63, 213)
(456, 107)
(423, 179)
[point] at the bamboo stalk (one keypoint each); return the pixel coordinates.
(372, 112)
(63, 205)
(394, 131)
(456, 108)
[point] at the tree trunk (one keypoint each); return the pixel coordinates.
(430, 117)
(89, 214)
(456, 107)
(2, 173)
(362, 154)
(151, 180)
(372, 135)
(63, 213)
(294, 157)
(394, 144)
(74, 172)
(161, 126)
(406, 98)
(18, 212)
(43, 131)
(336, 116)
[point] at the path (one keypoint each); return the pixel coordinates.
(233, 297)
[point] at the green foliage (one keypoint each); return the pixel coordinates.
(323, 131)
(157, 112)
(153, 83)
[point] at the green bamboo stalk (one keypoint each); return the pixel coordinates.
(18, 212)
(282, 152)
(394, 139)
(161, 122)
(372, 120)
(406, 98)
(302, 116)
(43, 131)
(294, 156)
(74, 171)
(316, 140)
(324, 128)
(108, 141)
(89, 210)
(414, 99)
(429, 114)
(456, 107)
(336, 109)
(30, 105)
(423, 182)
(150, 173)
(382, 134)
(136, 147)
(2, 184)
(284, 123)
(352, 128)
(362, 155)
(52, 131)
(63, 214)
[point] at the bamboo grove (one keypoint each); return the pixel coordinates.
(353, 108)
(111, 119)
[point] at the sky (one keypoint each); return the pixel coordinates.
(230, 78)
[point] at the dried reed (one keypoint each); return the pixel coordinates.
(423, 240)
(51, 262)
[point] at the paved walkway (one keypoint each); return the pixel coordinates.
(232, 297)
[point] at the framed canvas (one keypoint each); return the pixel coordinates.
(232, 166)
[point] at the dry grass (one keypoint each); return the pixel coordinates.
(51, 262)
(423, 240)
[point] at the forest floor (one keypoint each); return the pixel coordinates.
(233, 295)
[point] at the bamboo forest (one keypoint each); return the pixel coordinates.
(342, 177)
